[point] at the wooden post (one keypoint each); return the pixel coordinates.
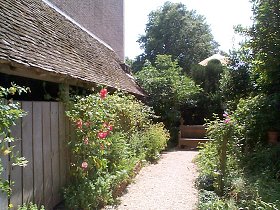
(223, 163)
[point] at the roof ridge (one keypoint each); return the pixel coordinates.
(76, 23)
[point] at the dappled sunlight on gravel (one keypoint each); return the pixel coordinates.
(167, 185)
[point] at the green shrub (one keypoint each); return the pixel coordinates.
(210, 200)
(30, 206)
(87, 193)
(136, 144)
(255, 116)
(205, 182)
(113, 134)
(168, 89)
(121, 159)
(155, 140)
(250, 180)
(207, 159)
(265, 159)
(129, 114)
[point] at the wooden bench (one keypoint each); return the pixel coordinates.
(191, 136)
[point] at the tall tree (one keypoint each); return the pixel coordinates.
(264, 44)
(175, 31)
(168, 89)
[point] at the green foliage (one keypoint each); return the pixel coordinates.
(267, 160)
(251, 84)
(207, 160)
(30, 206)
(250, 176)
(210, 200)
(209, 101)
(208, 76)
(236, 81)
(9, 113)
(155, 140)
(264, 44)
(129, 114)
(255, 116)
(168, 88)
(176, 31)
(113, 134)
(88, 193)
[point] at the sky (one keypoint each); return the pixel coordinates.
(221, 15)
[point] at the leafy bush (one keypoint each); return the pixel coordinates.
(129, 114)
(255, 116)
(250, 178)
(205, 182)
(155, 140)
(168, 89)
(265, 159)
(30, 206)
(207, 159)
(89, 193)
(113, 133)
(235, 82)
(210, 200)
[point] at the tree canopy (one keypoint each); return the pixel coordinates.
(264, 44)
(176, 31)
(168, 88)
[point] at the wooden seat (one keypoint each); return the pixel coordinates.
(191, 136)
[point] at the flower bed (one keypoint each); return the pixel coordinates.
(114, 134)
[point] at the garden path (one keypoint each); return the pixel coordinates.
(167, 185)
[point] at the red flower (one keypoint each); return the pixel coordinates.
(102, 135)
(79, 123)
(84, 165)
(110, 127)
(103, 93)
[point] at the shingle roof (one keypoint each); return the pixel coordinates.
(35, 35)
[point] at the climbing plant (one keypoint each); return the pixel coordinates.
(9, 113)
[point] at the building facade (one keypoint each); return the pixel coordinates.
(103, 18)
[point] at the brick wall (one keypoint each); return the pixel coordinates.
(103, 18)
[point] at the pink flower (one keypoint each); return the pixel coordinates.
(86, 140)
(102, 135)
(84, 165)
(110, 127)
(79, 123)
(227, 120)
(225, 114)
(87, 124)
(103, 93)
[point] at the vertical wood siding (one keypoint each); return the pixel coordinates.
(41, 139)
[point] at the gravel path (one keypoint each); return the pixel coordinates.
(168, 185)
